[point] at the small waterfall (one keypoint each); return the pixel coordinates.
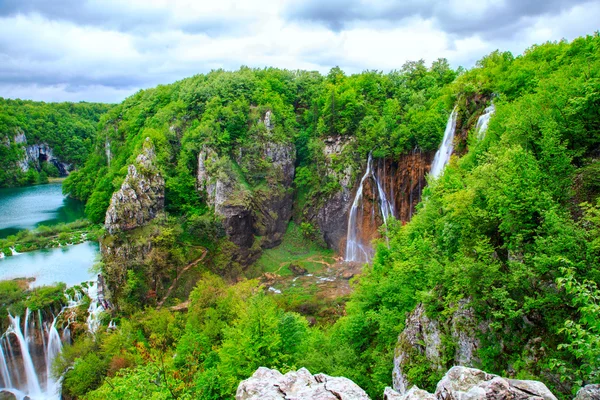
(445, 151)
(13, 251)
(356, 250)
(26, 370)
(483, 121)
(33, 384)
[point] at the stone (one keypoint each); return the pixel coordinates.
(463, 383)
(268, 384)
(422, 336)
(413, 393)
(141, 196)
(263, 212)
(588, 392)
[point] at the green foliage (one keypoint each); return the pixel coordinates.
(68, 128)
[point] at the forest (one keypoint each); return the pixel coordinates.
(67, 128)
(511, 227)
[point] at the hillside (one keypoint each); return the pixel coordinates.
(215, 187)
(39, 139)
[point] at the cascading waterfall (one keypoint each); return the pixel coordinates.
(442, 156)
(484, 120)
(356, 251)
(27, 371)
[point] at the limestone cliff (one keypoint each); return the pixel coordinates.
(250, 191)
(332, 212)
(35, 154)
(141, 197)
(426, 341)
(401, 178)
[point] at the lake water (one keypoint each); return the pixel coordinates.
(69, 264)
(32, 206)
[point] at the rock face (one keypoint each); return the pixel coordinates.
(141, 197)
(248, 212)
(38, 153)
(459, 383)
(469, 383)
(422, 339)
(332, 215)
(402, 179)
(589, 392)
(268, 384)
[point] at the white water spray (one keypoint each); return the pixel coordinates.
(442, 156)
(356, 251)
(483, 121)
(34, 360)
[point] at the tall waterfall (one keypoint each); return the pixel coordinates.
(445, 151)
(28, 349)
(484, 120)
(356, 249)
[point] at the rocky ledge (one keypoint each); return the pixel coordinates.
(459, 383)
(269, 384)
(141, 197)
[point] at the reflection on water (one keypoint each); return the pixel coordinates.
(70, 264)
(29, 207)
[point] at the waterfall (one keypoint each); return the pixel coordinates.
(33, 384)
(357, 251)
(26, 370)
(484, 120)
(442, 156)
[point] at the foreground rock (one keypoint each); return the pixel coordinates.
(268, 384)
(462, 383)
(459, 383)
(589, 392)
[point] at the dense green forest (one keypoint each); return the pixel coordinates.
(67, 128)
(512, 226)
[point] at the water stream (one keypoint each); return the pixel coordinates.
(442, 156)
(356, 248)
(483, 121)
(28, 349)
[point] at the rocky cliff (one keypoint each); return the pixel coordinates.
(35, 154)
(401, 179)
(251, 191)
(141, 197)
(433, 344)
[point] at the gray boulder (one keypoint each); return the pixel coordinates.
(462, 383)
(588, 392)
(268, 384)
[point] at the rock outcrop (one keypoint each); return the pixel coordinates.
(37, 153)
(402, 179)
(459, 383)
(588, 392)
(250, 211)
(268, 384)
(469, 383)
(141, 197)
(422, 340)
(332, 213)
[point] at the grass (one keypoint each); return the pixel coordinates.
(293, 249)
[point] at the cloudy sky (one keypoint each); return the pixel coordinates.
(105, 50)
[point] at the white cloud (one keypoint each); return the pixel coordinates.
(55, 57)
